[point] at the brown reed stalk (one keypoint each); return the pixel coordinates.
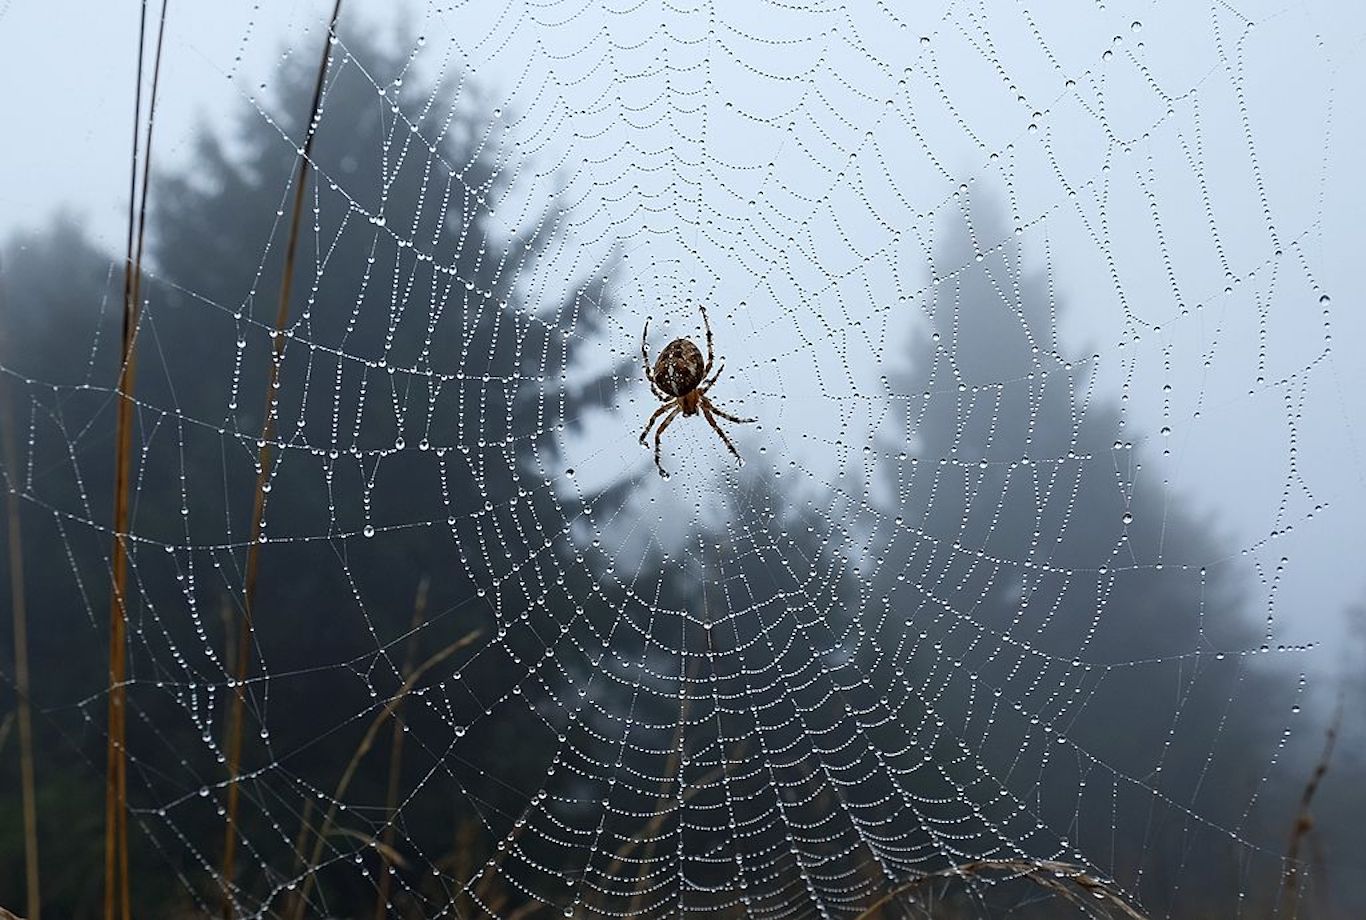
(396, 755)
(115, 828)
(19, 613)
(236, 716)
(366, 743)
(116, 881)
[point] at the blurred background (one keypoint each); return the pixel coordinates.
(328, 529)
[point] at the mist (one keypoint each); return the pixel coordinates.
(1039, 554)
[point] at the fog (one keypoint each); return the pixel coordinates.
(1294, 148)
(1047, 314)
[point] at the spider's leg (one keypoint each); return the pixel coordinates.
(712, 382)
(658, 412)
(726, 415)
(646, 355)
(660, 433)
(711, 420)
(710, 355)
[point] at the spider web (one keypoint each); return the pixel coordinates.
(995, 278)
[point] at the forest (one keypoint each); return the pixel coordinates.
(386, 653)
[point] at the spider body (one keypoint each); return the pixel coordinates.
(679, 381)
(679, 370)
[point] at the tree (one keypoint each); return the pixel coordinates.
(59, 306)
(1053, 609)
(419, 394)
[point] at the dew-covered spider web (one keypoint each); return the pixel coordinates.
(1031, 302)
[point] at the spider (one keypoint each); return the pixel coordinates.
(679, 373)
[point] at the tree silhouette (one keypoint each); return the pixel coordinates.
(420, 392)
(1026, 574)
(1099, 667)
(59, 304)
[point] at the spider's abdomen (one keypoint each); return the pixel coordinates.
(679, 368)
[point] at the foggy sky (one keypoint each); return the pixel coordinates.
(799, 232)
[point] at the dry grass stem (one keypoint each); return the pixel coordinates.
(396, 756)
(1065, 880)
(6, 726)
(300, 842)
(236, 716)
(1304, 819)
(366, 743)
(117, 897)
(19, 614)
(672, 776)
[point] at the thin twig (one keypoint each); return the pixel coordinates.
(19, 613)
(237, 716)
(366, 743)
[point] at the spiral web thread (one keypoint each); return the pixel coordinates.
(737, 708)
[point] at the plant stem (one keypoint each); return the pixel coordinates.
(116, 886)
(367, 742)
(246, 631)
(396, 753)
(19, 612)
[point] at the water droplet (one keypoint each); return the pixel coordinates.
(369, 530)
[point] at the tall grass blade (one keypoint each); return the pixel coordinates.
(117, 897)
(366, 743)
(19, 613)
(245, 632)
(396, 755)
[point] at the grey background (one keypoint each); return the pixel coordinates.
(1273, 89)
